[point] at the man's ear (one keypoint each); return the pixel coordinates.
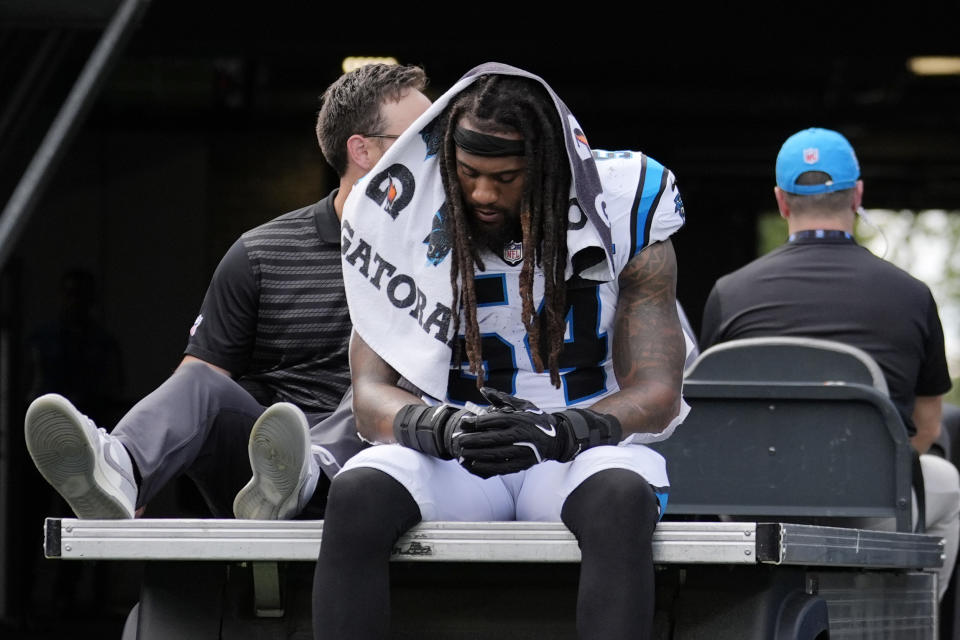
(858, 196)
(782, 205)
(358, 152)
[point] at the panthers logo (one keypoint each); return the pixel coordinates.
(438, 242)
(432, 136)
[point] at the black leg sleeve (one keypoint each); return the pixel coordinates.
(367, 511)
(613, 514)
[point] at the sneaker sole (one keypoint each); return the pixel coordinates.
(277, 455)
(63, 453)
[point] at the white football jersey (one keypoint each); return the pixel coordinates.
(644, 206)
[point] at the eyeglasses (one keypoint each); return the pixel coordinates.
(388, 136)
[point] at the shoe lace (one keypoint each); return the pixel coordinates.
(104, 436)
(90, 421)
(103, 433)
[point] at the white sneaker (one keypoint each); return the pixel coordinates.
(86, 465)
(284, 471)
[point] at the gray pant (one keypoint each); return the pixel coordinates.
(197, 422)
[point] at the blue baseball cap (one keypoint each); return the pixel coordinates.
(817, 150)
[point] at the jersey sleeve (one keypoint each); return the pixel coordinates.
(658, 208)
(643, 200)
(225, 331)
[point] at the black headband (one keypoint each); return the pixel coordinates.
(481, 144)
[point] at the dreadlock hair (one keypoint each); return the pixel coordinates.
(505, 104)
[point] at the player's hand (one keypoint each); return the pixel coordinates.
(432, 430)
(514, 434)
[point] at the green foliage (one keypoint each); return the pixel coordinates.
(771, 232)
(954, 396)
(926, 244)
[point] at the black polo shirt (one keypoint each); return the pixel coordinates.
(275, 314)
(833, 289)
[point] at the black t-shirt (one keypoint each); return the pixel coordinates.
(833, 289)
(275, 314)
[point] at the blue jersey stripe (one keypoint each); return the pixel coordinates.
(649, 194)
(662, 498)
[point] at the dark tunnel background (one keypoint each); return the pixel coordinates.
(203, 128)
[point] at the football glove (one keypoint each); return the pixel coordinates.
(430, 430)
(514, 434)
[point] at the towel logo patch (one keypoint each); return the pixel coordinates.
(392, 189)
(432, 136)
(579, 139)
(438, 244)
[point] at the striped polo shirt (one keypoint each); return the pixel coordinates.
(275, 314)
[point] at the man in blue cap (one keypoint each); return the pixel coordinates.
(822, 284)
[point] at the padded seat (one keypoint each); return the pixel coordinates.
(789, 428)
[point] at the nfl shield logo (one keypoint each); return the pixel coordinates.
(513, 253)
(811, 156)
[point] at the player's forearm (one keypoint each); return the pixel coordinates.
(649, 410)
(650, 387)
(375, 406)
(376, 397)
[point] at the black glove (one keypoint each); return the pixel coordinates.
(515, 434)
(431, 430)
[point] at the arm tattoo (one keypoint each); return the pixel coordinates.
(648, 347)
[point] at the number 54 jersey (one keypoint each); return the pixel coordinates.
(644, 206)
